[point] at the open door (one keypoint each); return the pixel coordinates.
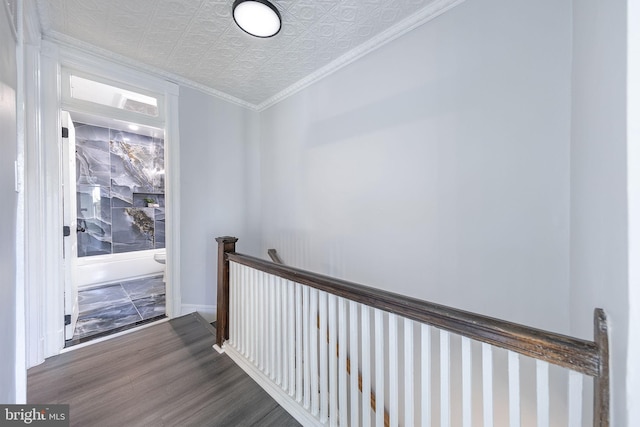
(70, 217)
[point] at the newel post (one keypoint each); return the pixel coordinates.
(226, 244)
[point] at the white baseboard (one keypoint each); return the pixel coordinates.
(287, 402)
(209, 312)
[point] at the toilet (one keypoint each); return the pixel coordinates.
(162, 259)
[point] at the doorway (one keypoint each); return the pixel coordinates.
(43, 200)
(114, 203)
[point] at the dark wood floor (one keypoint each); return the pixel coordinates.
(165, 375)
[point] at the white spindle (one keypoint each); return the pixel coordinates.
(299, 342)
(284, 343)
(425, 375)
(393, 370)
(232, 311)
(379, 355)
(236, 305)
(242, 314)
(333, 362)
(487, 384)
(272, 327)
(342, 361)
(278, 340)
(542, 392)
(306, 363)
(252, 315)
(514, 389)
(408, 373)
(466, 382)
(575, 399)
(324, 375)
(445, 393)
(313, 349)
(353, 358)
(366, 364)
(292, 338)
(261, 323)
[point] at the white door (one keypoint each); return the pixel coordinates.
(70, 217)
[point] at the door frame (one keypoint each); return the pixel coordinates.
(47, 313)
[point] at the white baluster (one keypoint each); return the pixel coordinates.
(425, 375)
(487, 384)
(445, 393)
(306, 364)
(236, 306)
(379, 354)
(408, 373)
(393, 370)
(575, 399)
(284, 315)
(299, 342)
(273, 326)
(514, 389)
(313, 327)
(232, 312)
(242, 313)
(542, 392)
(324, 375)
(333, 362)
(278, 341)
(366, 364)
(353, 358)
(342, 361)
(261, 324)
(252, 315)
(292, 338)
(466, 382)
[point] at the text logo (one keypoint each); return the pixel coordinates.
(34, 415)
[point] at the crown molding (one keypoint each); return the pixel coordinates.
(433, 10)
(12, 16)
(32, 32)
(73, 43)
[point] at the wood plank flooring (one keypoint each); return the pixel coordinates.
(165, 375)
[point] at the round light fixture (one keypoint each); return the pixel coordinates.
(257, 17)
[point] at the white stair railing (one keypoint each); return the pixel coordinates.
(336, 353)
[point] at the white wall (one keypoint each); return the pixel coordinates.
(599, 180)
(436, 166)
(214, 141)
(8, 209)
(633, 177)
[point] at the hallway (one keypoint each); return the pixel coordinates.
(164, 375)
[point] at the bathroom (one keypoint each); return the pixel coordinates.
(120, 208)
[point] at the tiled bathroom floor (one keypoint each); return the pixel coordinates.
(118, 306)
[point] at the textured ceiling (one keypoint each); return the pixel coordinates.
(198, 42)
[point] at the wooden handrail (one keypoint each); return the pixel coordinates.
(573, 353)
(587, 357)
(275, 257)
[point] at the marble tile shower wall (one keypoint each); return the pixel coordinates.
(120, 191)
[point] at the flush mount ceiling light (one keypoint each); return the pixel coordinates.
(257, 17)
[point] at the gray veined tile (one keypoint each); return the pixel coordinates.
(98, 298)
(106, 318)
(133, 229)
(151, 306)
(92, 156)
(145, 287)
